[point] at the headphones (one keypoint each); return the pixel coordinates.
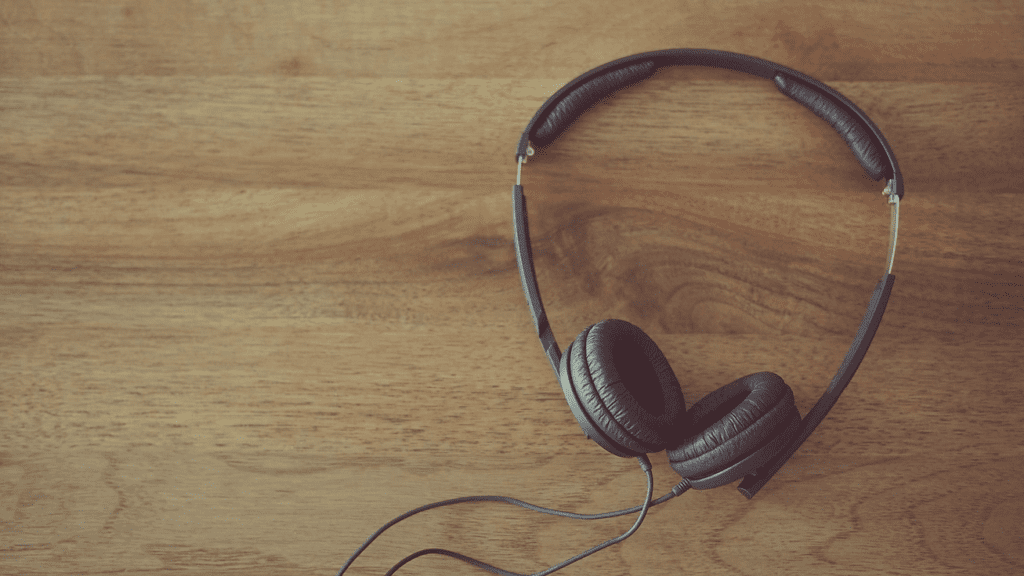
(619, 385)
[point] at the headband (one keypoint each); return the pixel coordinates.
(862, 136)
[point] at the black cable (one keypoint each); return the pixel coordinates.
(644, 463)
(500, 572)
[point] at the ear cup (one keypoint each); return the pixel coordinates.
(729, 425)
(625, 389)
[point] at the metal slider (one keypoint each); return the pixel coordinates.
(894, 222)
(522, 160)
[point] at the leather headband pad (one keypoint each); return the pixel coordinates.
(865, 147)
(581, 99)
(868, 152)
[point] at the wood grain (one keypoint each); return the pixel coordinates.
(259, 295)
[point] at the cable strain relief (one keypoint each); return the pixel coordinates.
(645, 462)
(683, 486)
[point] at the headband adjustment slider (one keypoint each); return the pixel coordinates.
(887, 191)
(519, 164)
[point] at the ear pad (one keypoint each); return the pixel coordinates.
(621, 382)
(755, 413)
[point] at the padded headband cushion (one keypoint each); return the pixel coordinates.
(858, 137)
(626, 386)
(732, 422)
(569, 106)
(575, 103)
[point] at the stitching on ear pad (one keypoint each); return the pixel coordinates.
(732, 422)
(627, 387)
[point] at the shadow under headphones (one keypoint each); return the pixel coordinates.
(619, 385)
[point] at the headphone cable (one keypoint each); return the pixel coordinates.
(645, 464)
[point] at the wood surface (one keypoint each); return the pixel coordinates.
(258, 294)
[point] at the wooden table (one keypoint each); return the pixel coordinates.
(258, 294)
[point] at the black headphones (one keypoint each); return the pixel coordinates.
(619, 385)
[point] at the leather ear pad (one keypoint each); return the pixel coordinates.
(733, 422)
(626, 386)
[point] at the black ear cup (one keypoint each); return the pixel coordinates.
(622, 390)
(736, 429)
